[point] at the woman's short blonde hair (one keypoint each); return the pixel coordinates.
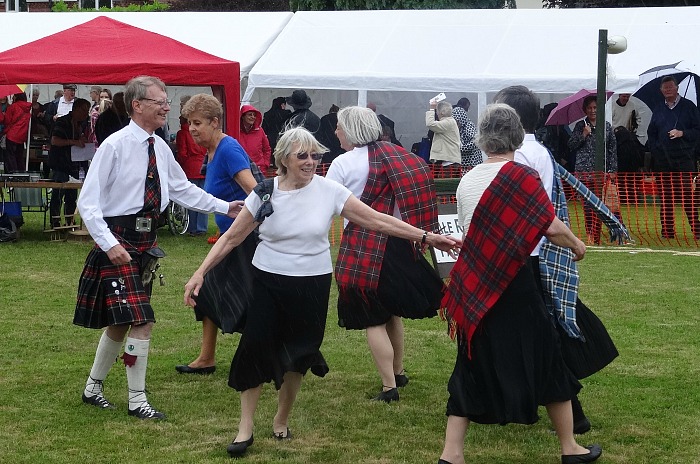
(205, 104)
(444, 109)
(500, 130)
(287, 143)
(361, 125)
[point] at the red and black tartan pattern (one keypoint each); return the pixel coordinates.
(151, 194)
(394, 176)
(512, 215)
(111, 294)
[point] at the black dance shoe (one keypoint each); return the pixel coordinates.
(146, 411)
(401, 379)
(388, 396)
(282, 435)
(97, 400)
(238, 448)
(185, 369)
(595, 451)
(582, 426)
(442, 461)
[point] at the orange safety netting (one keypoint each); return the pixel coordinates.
(657, 208)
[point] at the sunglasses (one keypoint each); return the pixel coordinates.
(314, 156)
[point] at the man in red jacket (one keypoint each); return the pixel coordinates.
(16, 120)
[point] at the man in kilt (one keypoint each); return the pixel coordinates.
(131, 180)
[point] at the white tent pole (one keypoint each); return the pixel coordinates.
(362, 98)
(29, 130)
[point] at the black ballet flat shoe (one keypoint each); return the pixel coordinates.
(282, 435)
(582, 426)
(442, 461)
(401, 380)
(238, 448)
(185, 369)
(595, 451)
(387, 396)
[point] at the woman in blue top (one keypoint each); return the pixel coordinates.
(228, 176)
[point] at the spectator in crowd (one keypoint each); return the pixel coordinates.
(134, 176)
(282, 337)
(273, 120)
(3, 138)
(674, 134)
(113, 118)
(555, 138)
(508, 359)
(582, 143)
(16, 121)
(470, 153)
(253, 138)
(625, 113)
(95, 91)
(62, 105)
(302, 115)
(226, 293)
(326, 135)
(68, 131)
(38, 126)
(388, 126)
(445, 148)
(191, 157)
(586, 344)
(380, 278)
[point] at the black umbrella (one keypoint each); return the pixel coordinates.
(650, 84)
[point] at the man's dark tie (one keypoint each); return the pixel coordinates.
(151, 196)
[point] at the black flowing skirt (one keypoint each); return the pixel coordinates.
(516, 363)
(283, 331)
(227, 292)
(408, 287)
(585, 356)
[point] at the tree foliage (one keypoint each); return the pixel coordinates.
(331, 5)
(229, 5)
(616, 3)
(61, 6)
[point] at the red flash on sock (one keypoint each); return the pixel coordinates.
(129, 359)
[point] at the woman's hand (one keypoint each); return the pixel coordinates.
(192, 289)
(586, 130)
(234, 208)
(447, 243)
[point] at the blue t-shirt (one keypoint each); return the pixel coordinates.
(229, 159)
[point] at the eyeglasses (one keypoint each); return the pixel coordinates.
(314, 156)
(161, 103)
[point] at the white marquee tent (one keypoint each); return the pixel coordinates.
(399, 59)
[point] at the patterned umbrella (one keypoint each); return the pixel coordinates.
(650, 83)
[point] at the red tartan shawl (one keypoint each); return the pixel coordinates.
(512, 215)
(394, 176)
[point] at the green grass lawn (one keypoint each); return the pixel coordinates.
(645, 407)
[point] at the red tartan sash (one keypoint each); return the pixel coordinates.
(394, 176)
(512, 215)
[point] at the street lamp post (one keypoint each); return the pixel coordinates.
(616, 44)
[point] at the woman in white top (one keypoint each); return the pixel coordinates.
(282, 337)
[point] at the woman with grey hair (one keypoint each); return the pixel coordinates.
(508, 357)
(446, 142)
(399, 281)
(292, 276)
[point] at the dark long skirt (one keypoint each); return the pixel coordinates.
(516, 363)
(227, 292)
(596, 350)
(284, 332)
(408, 287)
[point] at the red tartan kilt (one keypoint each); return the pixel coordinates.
(111, 294)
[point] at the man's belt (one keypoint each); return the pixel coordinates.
(136, 222)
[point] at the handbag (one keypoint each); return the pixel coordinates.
(424, 148)
(611, 196)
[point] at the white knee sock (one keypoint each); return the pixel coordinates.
(106, 354)
(136, 373)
